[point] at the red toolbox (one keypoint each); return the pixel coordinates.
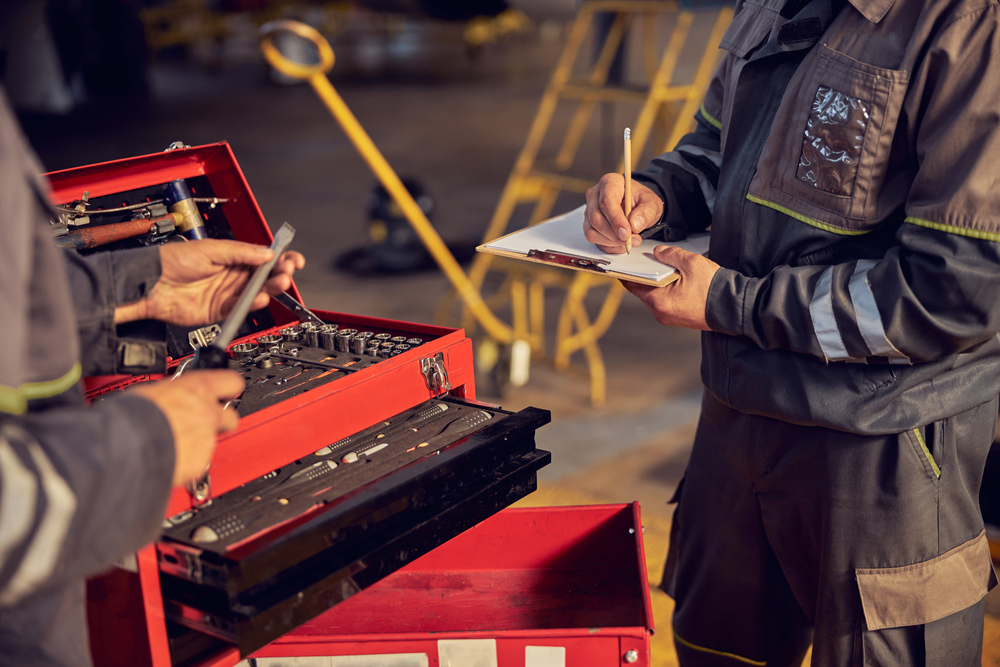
(378, 573)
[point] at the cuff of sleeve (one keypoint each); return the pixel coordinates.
(656, 186)
(134, 272)
(727, 298)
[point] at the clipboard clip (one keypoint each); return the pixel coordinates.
(566, 259)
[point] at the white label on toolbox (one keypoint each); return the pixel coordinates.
(385, 660)
(467, 652)
(544, 656)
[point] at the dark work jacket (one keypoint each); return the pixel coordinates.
(80, 486)
(848, 162)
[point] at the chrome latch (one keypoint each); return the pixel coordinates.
(435, 374)
(175, 146)
(200, 489)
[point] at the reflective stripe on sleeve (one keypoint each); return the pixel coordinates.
(824, 322)
(14, 400)
(46, 546)
(867, 316)
(18, 498)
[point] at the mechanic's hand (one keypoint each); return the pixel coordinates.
(682, 302)
(193, 405)
(202, 280)
(604, 221)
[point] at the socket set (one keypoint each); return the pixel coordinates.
(284, 362)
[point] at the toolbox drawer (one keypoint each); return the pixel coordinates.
(250, 589)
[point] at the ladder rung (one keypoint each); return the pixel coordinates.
(570, 183)
(672, 93)
(631, 6)
(604, 93)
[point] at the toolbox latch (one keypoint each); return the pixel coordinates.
(200, 489)
(435, 374)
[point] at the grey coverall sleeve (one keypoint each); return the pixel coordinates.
(99, 283)
(79, 486)
(686, 179)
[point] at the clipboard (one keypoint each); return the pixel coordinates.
(559, 241)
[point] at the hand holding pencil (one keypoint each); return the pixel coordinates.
(618, 209)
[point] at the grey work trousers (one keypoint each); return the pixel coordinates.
(870, 546)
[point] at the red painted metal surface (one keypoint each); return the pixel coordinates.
(573, 577)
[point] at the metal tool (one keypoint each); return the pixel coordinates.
(178, 196)
(308, 362)
(300, 311)
(328, 336)
(215, 355)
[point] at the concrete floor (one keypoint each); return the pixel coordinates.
(457, 125)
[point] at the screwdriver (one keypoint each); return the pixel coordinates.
(215, 355)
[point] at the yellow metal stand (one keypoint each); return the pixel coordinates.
(671, 104)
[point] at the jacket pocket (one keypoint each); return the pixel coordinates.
(895, 597)
(826, 155)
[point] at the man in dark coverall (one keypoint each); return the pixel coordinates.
(847, 157)
(82, 486)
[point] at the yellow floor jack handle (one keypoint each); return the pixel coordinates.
(316, 76)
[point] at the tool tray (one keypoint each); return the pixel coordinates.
(247, 575)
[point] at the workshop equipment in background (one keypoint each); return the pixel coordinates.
(202, 27)
(664, 102)
(393, 245)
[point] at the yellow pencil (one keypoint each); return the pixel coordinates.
(628, 187)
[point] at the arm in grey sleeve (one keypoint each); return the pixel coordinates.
(686, 179)
(79, 487)
(99, 283)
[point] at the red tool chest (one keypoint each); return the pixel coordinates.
(182, 603)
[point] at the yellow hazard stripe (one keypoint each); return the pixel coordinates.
(710, 118)
(806, 219)
(14, 400)
(927, 453)
(951, 229)
(738, 658)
